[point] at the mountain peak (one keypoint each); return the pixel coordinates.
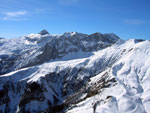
(43, 32)
(68, 34)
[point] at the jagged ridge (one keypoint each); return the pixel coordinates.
(39, 48)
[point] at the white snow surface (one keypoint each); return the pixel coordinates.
(132, 92)
(131, 69)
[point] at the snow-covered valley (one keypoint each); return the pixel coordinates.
(74, 73)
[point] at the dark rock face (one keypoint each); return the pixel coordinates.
(32, 92)
(139, 40)
(6, 63)
(8, 94)
(44, 32)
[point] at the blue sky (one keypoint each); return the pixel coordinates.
(126, 18)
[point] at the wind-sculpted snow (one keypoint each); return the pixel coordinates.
(131, 93)
(75, 73)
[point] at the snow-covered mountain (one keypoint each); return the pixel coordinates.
(39, 48)
(73, 73)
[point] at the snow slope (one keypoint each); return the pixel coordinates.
(132, 92)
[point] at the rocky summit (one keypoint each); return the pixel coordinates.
(74, 73)
(43, 32)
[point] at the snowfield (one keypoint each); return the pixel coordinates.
(101, 79)
(132, 92)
